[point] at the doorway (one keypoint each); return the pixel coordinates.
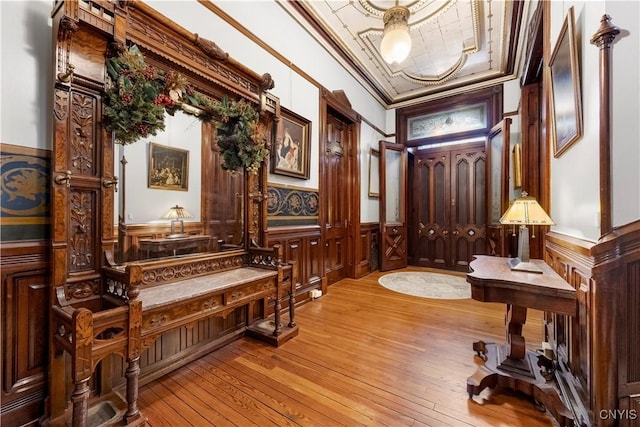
(447, 225)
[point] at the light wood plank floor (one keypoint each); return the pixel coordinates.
(365, 355)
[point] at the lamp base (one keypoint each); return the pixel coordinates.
(515, 264)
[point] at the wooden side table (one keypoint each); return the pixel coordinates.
(511, 364)
(175, 244)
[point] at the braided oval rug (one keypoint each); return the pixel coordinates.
(427, 285)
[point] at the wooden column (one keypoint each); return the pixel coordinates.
(603, 38)
(605, 372)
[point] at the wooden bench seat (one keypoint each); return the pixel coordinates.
(143, 300)
(172, 305)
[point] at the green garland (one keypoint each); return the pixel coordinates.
(139, 95)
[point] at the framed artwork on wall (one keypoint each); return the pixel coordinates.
(168, 168)
(374, 173)
(290, 155)
(566, 102)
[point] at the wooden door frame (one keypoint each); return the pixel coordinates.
(339, 103)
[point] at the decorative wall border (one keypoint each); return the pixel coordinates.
(288, 205)
(24, 193)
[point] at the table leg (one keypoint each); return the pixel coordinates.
(511, 365)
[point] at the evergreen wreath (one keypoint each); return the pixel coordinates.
(139, 95)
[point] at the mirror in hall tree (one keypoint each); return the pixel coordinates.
(142, 102)
(214, 197)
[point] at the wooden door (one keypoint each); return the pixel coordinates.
(393, 190)
(431, 195)
(337, 213)
(448, 199)
(468, 207)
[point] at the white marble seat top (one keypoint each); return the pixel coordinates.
(168, 293)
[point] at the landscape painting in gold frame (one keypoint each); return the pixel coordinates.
(566, 101)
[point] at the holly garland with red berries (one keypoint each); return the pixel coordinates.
(139, 95)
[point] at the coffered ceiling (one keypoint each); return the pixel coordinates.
(456, 44)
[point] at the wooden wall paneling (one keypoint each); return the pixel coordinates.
(598, 349)
(571, 337)
(313, 276)
(303, 245)
(368, 249)
(617, 358)
(24, 308)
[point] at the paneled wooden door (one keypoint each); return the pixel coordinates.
(448, 225)
(393, 220)
(337, 209)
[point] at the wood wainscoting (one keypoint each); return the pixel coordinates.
(368, 249)
(303, 245)
(25, 308)
(598, 350)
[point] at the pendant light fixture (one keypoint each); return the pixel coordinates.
(396, 41)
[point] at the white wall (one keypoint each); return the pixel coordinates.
(575, 193)
(271, 23)
(26, 92)
(625, 112)
(25, 83)
(575, 181)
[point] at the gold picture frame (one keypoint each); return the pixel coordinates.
(168, 168)
(290, 155)
(566, 101)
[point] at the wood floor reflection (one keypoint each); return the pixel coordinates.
(365, 355)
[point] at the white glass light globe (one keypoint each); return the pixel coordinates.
(396, 44)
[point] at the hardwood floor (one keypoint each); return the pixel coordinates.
(365, 355)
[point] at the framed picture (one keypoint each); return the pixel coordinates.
(374, 173)
(290, 156)
(168, 168)
(566, 103)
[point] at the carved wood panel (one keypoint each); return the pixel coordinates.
(302, 246)
(630, 325)
(369, 249)
(24, 319)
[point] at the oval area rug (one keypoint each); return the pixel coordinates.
(427, 285)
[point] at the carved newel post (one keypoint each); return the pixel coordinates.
(605, 293)
(603, 38)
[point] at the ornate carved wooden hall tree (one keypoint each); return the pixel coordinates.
(101, 309)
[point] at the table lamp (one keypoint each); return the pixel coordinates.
(525, 211)
(176, 214)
